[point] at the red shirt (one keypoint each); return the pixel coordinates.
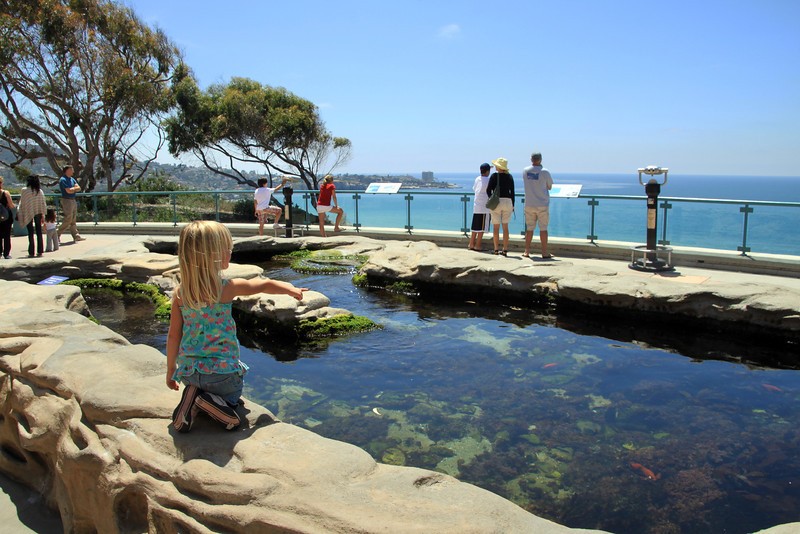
(325, 194)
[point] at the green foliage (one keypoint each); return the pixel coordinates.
(83, 81)
(21, 173)
(248, 122)
(162, 302)
(335, 326)
(159, 181)
(243, 210)
(360, 280)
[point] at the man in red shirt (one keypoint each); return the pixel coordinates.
(327, 193)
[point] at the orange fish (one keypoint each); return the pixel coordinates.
(649, 475)
(770, 387)
(549, 365)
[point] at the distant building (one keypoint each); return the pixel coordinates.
(427, 176)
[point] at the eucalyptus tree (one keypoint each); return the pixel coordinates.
(86, 83)
(232, 126)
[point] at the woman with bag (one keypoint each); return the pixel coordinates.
(5, 225)
(32, 207)
(503, 182)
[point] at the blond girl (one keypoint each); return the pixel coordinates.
(202, 348)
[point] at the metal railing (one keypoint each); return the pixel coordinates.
(741, 225)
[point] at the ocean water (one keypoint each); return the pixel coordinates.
(716, 225)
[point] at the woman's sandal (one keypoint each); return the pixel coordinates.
(526, 255)
(496, 252)
(504, 253)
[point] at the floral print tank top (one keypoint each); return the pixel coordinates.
(208, 344)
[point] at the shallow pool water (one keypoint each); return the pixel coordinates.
(587, 431)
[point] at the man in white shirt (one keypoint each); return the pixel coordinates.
(538, 183)
(261, 206)
(480, 213)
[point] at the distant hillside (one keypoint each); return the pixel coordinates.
(202, 179)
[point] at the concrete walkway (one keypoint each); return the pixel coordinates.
(22, 510)
(96, 243)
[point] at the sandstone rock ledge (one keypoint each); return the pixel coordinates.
(580, 282)
(85, 420)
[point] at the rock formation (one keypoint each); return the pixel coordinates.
(85, 419)
(587, 283)
(84, 415)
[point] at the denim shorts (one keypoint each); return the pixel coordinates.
(228, 386)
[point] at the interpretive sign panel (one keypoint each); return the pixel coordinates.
(52, 280)
(566, 190)
(381, 187)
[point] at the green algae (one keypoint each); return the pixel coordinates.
(486, 338)
(324, 261)
(597, 401)
(393, 456)
(152, 292)
(336, 326)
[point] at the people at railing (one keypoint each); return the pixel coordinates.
(69, 206)
(694, 222)
(480, 213)
(501, 215)
(261, 200)
(327, 195)
(32, 207)
(7, 222)
(537, 182)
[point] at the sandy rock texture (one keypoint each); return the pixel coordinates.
(84, 415)
(581, 282)
(84, 418)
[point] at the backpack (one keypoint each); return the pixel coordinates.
(5, 213)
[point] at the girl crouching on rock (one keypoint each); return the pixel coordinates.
(202, 348)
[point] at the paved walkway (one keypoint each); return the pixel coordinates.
(22, 510)
(97, 243)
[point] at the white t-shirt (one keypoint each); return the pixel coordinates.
(479, 187)
(263, 195)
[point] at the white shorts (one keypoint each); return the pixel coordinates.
(537, 214)
(502, 213)
(323, 209)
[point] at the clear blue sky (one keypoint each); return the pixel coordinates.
(701, 87)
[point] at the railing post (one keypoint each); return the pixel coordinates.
(307, 198)
(356, 224)
(591, 237)
(524, 222)
(466, 227)
(287, 207)
(133, 207)
(408, 198)
(744, 249)
(665, 205)
(94, 208)
(216, 207)
(174, 199)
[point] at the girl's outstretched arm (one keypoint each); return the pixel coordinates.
(174, 342)
(237, 287)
